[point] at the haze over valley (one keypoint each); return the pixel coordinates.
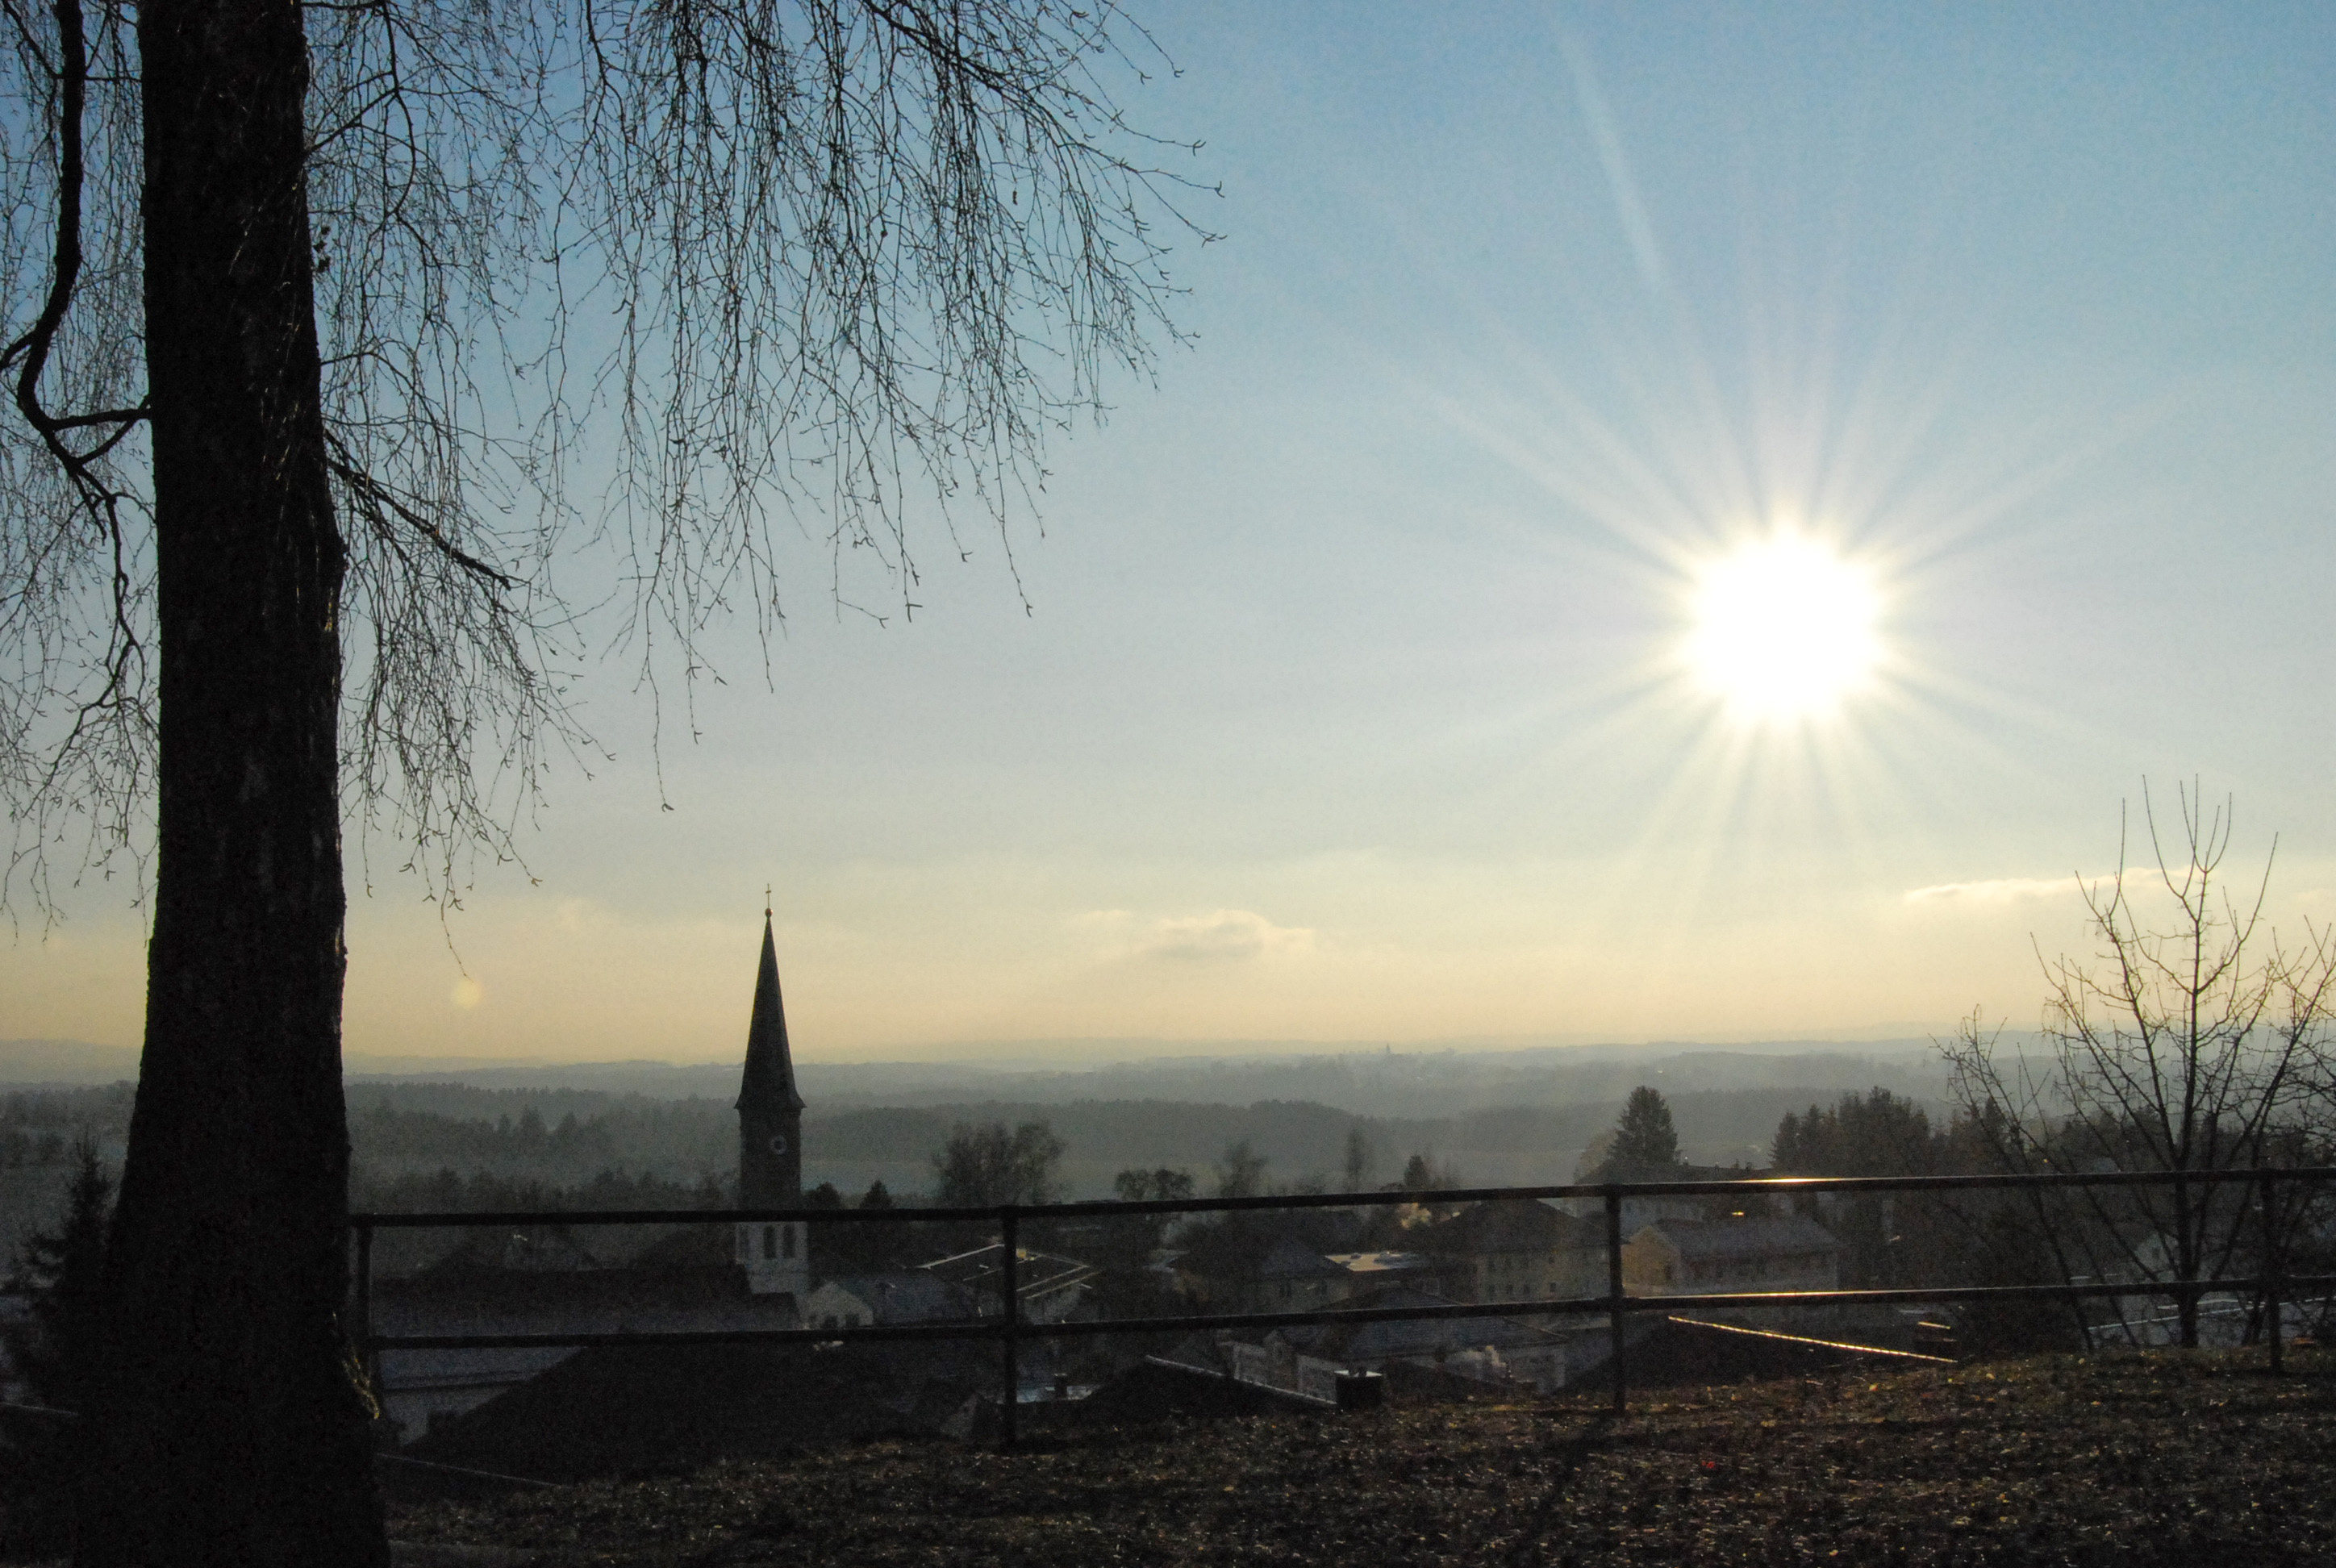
(1492, 1117)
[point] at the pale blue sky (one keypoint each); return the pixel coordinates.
(1348, 708)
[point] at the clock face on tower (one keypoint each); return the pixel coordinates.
(778, 1142)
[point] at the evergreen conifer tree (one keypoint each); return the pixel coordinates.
(1646, 1145)
(60, 1274)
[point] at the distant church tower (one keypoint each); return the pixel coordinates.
(770, 1143)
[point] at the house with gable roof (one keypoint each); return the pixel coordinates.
(1696, 1257)
(899, 1296)
(1516, 1249)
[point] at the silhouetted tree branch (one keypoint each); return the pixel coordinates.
(2189, 1043)
(373, 366)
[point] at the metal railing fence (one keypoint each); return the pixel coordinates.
(1010, 1329)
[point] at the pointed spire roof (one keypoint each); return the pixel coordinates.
(770, 1080)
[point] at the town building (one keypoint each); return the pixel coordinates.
(1046, 1288)
(417, 1388)
(1640, 1210)
(1689, 1257)
(1272, 1263)
(1508, 1249)
(1373, 1271)
(1516, 1249)
(897, 1296)
(1305, 1359)
(1292, 1277)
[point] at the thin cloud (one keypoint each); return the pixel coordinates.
(580, 915)
(2003, 891)
(1225, 935)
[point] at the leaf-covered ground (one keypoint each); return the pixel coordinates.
(2127, 1460)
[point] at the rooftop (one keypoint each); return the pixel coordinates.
(1378, 1262)
(1722, 1239)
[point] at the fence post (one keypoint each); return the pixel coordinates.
(2271, 1266)
(2187, 1295)
(367, 1357)
(1614, 1314)
(1011, 1312)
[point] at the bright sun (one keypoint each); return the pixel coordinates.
(1784, 629)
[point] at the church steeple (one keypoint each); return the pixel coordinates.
(770, 1081)
(770, 1142)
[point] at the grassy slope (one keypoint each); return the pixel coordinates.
(2129, 1459)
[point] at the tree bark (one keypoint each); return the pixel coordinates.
(231, 1427)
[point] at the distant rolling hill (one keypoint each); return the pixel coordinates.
(66, 1062)
(1493, 1117)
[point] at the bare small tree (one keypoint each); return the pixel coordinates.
(1241, 1174)
(2189, 1042)
(980, 1166)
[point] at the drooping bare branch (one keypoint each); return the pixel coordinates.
(635, 318)
(76, 734)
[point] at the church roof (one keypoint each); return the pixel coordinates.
(770, 1078)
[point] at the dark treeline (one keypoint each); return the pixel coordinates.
(564, 1138)
(38, 1126)
(1515, 1144)
(447, 1190)
(1115, 1134)
(2035, 1236)
(561, 1139)
(469, 1103)
(1876, 1133)
(674, 1140)
(1917, 1239)
(19, 1148)
(101, 1111)
(1429, 1083)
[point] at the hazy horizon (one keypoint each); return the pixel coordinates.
(1074, 1054)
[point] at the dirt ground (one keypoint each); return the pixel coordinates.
(2200, 1460)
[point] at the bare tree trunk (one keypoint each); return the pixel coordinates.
(231, 1428)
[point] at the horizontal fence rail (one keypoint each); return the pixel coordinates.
(1008, 1328)
(1106, 1208)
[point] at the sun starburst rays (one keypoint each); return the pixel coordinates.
(1761, 687)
